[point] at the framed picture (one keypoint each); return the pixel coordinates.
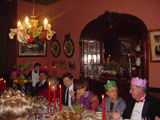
(55, 48)
(54, 64)
(37, 48)
(155, 45)
(62, 64)
(68, 46)
(71, 65)
(126, 47)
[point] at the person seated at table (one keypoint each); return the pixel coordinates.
(42, 86)
(85, 97)
(65, 115)
(54, 82)
(67, 86)
(16, 106)
(112, 101)
(141, 105)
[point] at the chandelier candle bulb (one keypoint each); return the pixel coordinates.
(19, 24)
(45, 24)
(26, 20)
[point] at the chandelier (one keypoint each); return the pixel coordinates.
(29, 30)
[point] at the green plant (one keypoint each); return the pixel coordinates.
(17, 75)
(111, 65)
(76, 107)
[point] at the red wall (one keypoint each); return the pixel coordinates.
(71, 16)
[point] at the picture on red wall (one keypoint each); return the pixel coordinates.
(126, 47)
(62, 64)
(37, 48)
(71, 65)
(155, 45)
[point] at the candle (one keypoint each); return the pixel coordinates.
(109, 56)
(0, 84)
(60, 98)
(4, 85)
(130, 71)
(54, 98)
(45, 24)
(107, 60)
(49, 94)
(103, 108)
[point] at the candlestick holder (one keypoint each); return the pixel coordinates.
(49, 109)
(53, 110)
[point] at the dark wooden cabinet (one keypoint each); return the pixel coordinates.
(91, 56)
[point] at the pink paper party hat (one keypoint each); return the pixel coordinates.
(139, 82)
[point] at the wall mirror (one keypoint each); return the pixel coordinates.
(114, 37)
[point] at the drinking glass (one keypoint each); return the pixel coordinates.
(109, 115)
(38, 116)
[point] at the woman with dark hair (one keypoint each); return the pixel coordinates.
(85, 97)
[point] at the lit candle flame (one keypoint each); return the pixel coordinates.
(26, 20)
(129, 55)
(45, 21)
(29, 26)
(102, 96)
(19, 23)
(59, 86)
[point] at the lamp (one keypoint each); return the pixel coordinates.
(29, 30)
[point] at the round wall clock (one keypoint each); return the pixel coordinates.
(55, 48)
(68, 46)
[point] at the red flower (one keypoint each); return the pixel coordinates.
(43, 37)
(30, 39)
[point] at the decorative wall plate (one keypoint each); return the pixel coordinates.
(68, 46)
(55, 48)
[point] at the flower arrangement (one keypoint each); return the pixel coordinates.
(18, 76)
(112, 68)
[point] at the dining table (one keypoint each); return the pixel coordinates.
(44, 112)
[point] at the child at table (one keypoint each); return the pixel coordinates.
(112, 101)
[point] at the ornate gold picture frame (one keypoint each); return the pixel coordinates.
(55, 48)
(68, 46)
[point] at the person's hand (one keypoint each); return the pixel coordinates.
(157, 118)
(71, 93)
(116, 115)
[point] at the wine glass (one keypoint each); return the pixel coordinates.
(109, 115)
(38, 116)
